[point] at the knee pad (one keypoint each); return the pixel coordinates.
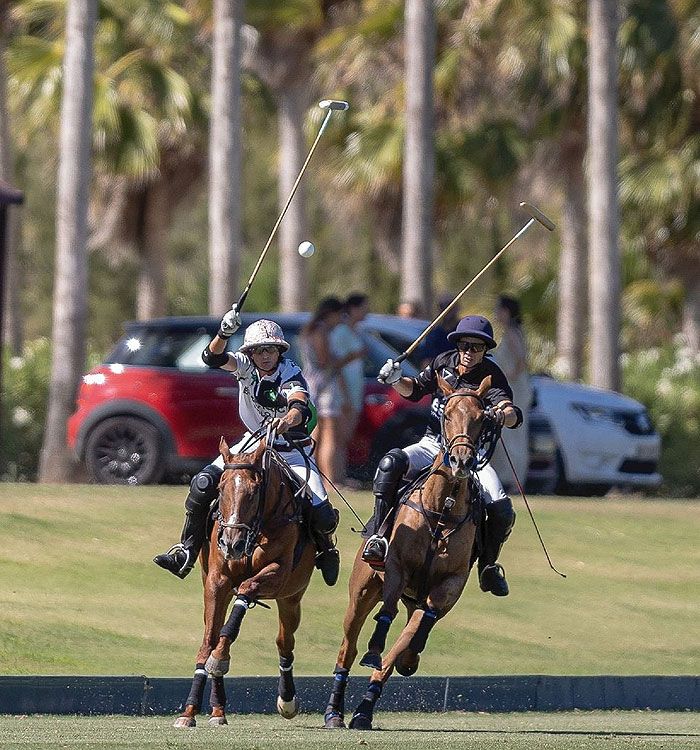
(391, 468)
(501, 516)
(204, 489)
(324, 518)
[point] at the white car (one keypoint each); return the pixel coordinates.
(583, 440)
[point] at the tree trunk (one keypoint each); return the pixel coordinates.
(152, 241)
(70, 276)
(691, 315)
(293, 269)
(604, 280)
(225, 156)
(419, 154)
(12, 280)
(573, 264)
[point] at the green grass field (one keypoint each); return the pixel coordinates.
(80, 595)
(565, 731)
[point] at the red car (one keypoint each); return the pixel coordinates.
(153, 410)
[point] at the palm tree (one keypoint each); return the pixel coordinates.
(70, 285)
(419, 154)
(225, 155)
(148, 118)
(603, 226)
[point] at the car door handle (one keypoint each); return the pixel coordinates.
(226, 391)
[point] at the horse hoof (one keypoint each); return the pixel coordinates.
(217, 721)
(334, 720)
(288, 709)
(217, 667)
(185, 722)
(360, 721)
(406, 666)
(371, 659)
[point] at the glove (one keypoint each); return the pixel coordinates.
(496, 415)
(243, 364)
(230, 323)
(390, 372)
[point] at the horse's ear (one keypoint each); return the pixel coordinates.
(224, 449)
(484, 386)
(259, 451)
(445, 387)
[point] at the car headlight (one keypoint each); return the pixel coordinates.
(595, 413)
(634, 422)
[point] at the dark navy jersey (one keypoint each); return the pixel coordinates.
(446, 364)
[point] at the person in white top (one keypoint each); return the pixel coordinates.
(273, 392)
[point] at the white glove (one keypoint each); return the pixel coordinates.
(243, 364)
(390, 372)
(230, 323)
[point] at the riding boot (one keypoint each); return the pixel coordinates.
(499, 523)
(180, 558)
(324, 521)
(390, 471)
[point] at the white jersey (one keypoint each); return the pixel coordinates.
(261, 399)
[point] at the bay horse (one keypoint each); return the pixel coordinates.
(427, 566)
(258, 549)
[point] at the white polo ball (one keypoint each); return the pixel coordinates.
(306, 249)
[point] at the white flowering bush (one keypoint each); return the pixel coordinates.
(667, 381)
(25, 391)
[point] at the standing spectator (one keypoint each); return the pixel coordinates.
(436, 341)
(322, 372)
(511, 356)
(347, 347)
(409, 309)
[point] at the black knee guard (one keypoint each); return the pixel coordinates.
(204, 489)
(389, 472)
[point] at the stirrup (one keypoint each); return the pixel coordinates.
(169, 561)
(493, 579)
(375, 552)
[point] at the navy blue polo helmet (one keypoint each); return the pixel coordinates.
(473, 325)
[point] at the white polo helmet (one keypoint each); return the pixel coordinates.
(263, 333)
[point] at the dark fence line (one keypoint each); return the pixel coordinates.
(166, 695)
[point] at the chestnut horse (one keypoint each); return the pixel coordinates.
(258, 549)
(427, 565)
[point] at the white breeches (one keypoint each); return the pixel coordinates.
(423, 453)
(295, 460)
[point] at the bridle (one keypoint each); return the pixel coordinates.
(252, 529)
(461, 439)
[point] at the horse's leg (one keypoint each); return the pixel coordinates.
(365, 591)
(289, 611)
(217, 595)
(395, 580)
(265, 584)
(407, 663)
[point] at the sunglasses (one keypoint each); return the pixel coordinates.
(469, 346)
(265, 350)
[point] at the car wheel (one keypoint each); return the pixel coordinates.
(124, 450)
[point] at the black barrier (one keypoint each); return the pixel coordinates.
(166, 695)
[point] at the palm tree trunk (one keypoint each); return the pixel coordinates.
(293, 271)
(70, 276)
(225, 156)
(604, 279)
(153, 252)
(573, 265)
(691, 314)
(419, 153)
(12, 278)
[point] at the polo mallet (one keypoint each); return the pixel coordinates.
(536, 216)
(330, 105)
(527, 505)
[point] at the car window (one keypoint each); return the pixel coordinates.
(157, 348)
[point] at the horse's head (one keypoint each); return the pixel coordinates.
(462, 421)
(241, 501)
